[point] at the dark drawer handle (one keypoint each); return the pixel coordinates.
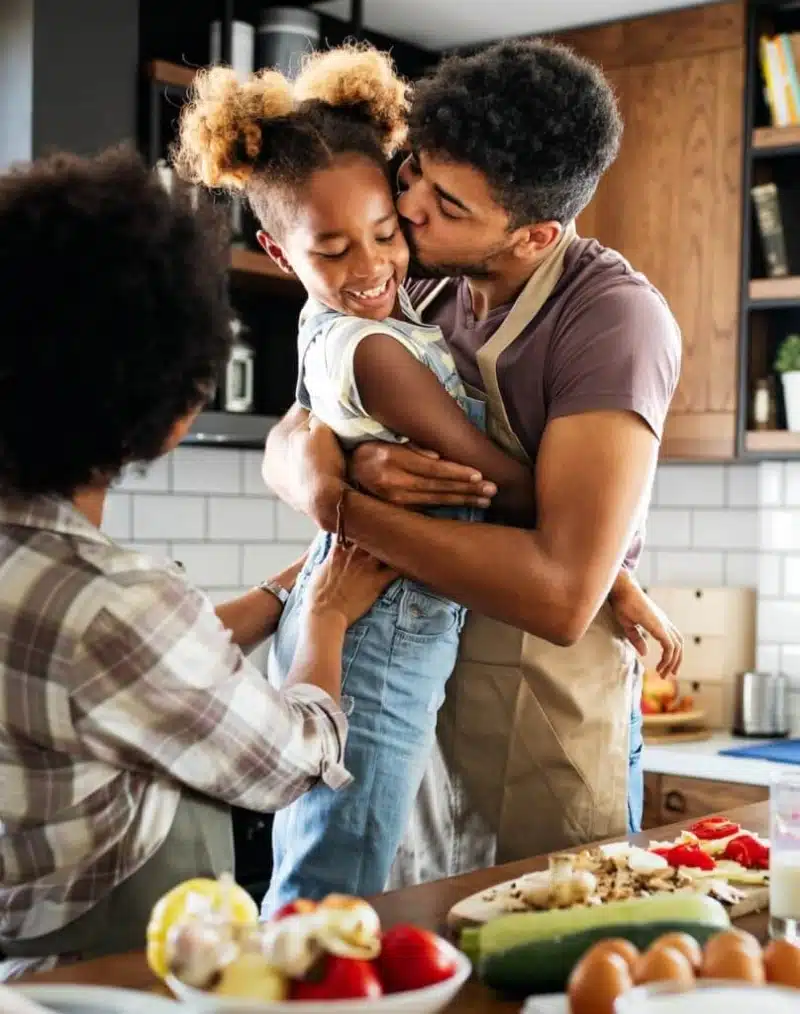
(697, 640)
(675, 802)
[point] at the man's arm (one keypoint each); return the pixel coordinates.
(593, 476)
(255, 615)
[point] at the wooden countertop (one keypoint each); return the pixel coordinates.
(426, 906)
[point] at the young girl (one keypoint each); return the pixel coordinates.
(311, 157)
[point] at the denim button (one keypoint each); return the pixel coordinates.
(416, 612)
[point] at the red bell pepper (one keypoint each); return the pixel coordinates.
(712, 828)
(686, 855)
(747, 851)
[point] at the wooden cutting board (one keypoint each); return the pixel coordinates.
(477, 909)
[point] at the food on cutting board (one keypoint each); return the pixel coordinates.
(206, 934)
(660, 695)
(535, 952)
(714, 856)
(606, 972)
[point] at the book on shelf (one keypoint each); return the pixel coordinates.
(777, 211)
(780, 59)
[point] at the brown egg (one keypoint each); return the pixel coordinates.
(596, 982)
(782, 963)
(734, 962)
(616, 945)
(682, 942)
(733, 938)
(665, 964)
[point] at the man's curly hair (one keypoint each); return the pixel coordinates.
(116, 318)
(540, 122)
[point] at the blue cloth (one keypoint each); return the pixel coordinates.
(782, 751)
(397, 659)
(635, 773)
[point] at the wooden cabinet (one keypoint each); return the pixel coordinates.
(672, 202)
(672, 798)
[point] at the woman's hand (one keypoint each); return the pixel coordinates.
(639, 615)
(347, 583)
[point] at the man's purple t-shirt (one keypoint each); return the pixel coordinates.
(604, 339)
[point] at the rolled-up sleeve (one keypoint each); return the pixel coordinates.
(158, 686)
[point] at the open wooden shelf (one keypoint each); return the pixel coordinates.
(768, 139)
(250, 262)
(163, 72)
(772, 442)
(774, 290)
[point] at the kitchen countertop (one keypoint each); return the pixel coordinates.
(425, 906)
(703, 760)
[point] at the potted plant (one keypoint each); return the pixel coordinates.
(787, 363)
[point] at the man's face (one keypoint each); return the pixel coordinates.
(452, 222)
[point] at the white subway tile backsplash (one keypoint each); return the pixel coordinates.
(668, 529)
(260, 562)
(252, 482)
(770, 575)
(768, 658)
(725, 529)
(771, 483)
(743, 486)
(645, 569)
(792, 488)
(206, 470)
(209, 565)
(779, 621)
(220, 595)
(155, 478)
(791, 577)
(690, 568)
(117, 516)
(690, 486)
(780, 530)
(236, 519)
(157, 517)
(292, 526)
(790, 662)
(741, 570)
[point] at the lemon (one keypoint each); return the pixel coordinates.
(219, 896)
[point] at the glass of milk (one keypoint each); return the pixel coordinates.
(707, 997)
(784, 864)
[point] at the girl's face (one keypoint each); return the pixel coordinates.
(344, 242)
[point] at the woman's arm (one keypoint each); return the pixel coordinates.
(255, 615)
(405, 396)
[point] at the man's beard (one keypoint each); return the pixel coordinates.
(419, 268)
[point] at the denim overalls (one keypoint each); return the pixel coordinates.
(397, 659)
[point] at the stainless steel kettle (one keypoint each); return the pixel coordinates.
(761, 704)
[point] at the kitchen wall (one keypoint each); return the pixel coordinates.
(709, 525)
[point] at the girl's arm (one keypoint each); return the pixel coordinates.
(402, 394)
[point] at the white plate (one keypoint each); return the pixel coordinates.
(417, 1001)
(96, 1000)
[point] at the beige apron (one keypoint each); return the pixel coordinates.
(199, 844)
(532, 740)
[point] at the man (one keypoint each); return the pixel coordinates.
(577, 356)
(130, 721)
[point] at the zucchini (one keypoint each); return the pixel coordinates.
(544, 966)
(521, 927)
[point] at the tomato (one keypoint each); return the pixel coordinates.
(412, 958)
(748, 852)
(686, 855)
(300, 906)
(334, 978)
(712, 828)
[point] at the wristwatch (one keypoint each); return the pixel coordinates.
(273, 588)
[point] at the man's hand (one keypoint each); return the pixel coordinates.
(639, 617)
(411, 477)
(304, 465)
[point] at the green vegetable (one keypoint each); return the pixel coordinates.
(521, 927)
(788, 359)
(544, 966)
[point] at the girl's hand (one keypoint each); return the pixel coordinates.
(639, 615)
(347, 583)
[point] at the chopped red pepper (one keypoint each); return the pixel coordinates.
(747, 851)
(686, 855)
(712, 828)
